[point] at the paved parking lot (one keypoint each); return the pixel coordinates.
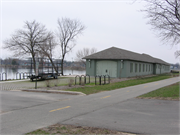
(15, 85)
(141, 116)
(16, 100)
(116, 109)
(19, 84)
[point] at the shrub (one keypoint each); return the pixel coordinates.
(47, 82)
(82, 82)
(71, 81)
(56, 81)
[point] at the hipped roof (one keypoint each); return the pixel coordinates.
(114, 53)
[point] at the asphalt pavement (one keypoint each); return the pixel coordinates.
(17, 100)
(116, 109)
(137, 116)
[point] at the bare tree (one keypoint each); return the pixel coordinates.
(46, 49)
(164, 16)
(26, 41)
(68, 31)
(83, 53)
(177, 53)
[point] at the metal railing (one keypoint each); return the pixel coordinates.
(99, 79)
(4, 74)
(22, 75)
(81, 78)
(103, 79)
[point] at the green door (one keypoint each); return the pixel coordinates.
(106, 68)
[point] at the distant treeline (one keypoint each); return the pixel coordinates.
(26, 63)
(175, 66)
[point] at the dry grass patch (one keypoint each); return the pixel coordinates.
(59, 129)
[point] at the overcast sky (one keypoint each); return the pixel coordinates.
(117, 23)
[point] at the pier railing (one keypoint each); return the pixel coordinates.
(19, 76)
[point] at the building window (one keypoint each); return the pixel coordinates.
(139, 67)
(146, 67)
(135, 67)
(131, 67)
(143, 67)
(149, 67)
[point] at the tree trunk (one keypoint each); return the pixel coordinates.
(53, 64)
(34, 63)
(62, 61)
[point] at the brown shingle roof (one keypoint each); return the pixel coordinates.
(117, 53)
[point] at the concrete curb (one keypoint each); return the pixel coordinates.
(54, 91)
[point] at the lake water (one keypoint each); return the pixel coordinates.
(14, 73)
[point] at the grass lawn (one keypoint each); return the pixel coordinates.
(169, 92)
(90, 89)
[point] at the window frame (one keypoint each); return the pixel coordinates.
(139, 67)
(131, 67)
(135, 67)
